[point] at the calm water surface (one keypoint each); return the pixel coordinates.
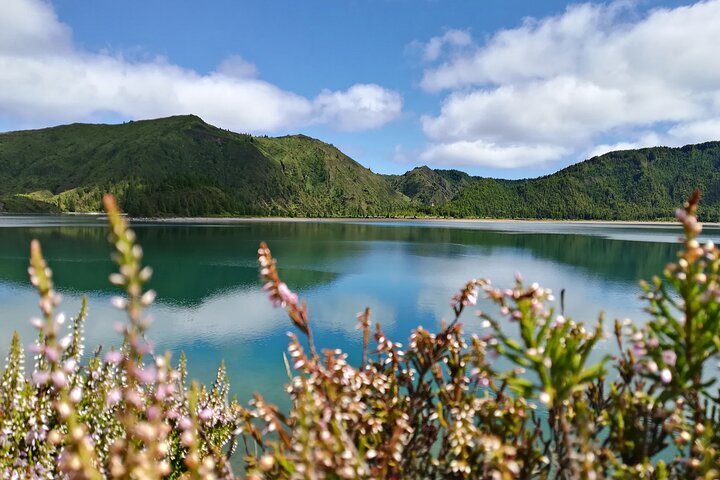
(210, 304)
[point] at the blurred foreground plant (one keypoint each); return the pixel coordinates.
(439, 407)
(127, 414)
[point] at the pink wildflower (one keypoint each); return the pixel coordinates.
(114, 356)
(286, 295)
(471, 298)
(113, 397)
(146, 375)
(59, 379)
(40, 377)
(669, 358)
(52, 354)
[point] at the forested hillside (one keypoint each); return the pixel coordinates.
(430, 187)
(181, 166)
(640, 184)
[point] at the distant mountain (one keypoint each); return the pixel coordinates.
(181, 166)
(644, 184)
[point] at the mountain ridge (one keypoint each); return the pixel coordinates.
(182, 166)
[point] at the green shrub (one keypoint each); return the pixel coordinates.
(434, 408)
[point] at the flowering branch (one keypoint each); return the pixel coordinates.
(281, 296)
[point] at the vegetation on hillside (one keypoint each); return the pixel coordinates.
(438, 407)
(430, 187)
(627, 185)
(181, 166)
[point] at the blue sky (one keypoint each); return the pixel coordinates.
(494, 87)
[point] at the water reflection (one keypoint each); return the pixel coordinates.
(210, 304)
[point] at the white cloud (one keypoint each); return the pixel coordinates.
(237, 67)
(452, 38)
(537, 49)
(489, 154)
(361, 107)
(559, 85)
(649, 140)
(45, 78)
(694, 132)
(679, 135)
(31, 27)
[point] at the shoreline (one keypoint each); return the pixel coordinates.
(240, 220)
(237, 220)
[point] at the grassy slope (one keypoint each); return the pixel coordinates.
(182, 166)
(327, 182)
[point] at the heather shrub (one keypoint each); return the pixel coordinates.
(438, 406)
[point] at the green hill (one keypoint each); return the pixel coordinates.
(430, 187)
(645, 184)
(181, 166)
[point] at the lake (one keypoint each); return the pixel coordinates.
(210, 303)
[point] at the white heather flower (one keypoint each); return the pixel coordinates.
(63, 409)
(148, 297)
(65, 342)
(472, 297)
(652, 366)
(665, 376)
(266, 463)
(75, 395)
(118, 302)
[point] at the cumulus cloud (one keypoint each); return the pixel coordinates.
(563, 85)
(237, 67)
(45, 78)
(648, 139)
(696, 131)
(28, 27)
(500, 156)
(452, 38)
(361, 107)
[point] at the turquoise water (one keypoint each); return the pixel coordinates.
(210, 304)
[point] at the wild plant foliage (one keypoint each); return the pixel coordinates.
(437, 407)
(125, 414)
